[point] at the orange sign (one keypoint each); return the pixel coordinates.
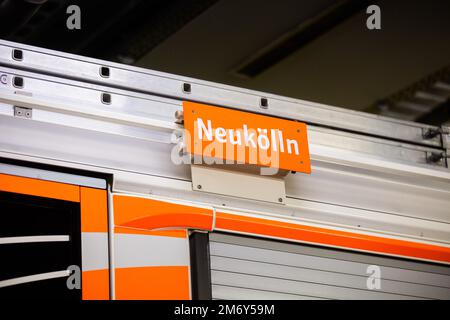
(226, 136)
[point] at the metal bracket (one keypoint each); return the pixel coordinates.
(428, 134)
(23, 112)
(446, 144)
(437, 157)
(238, 184)
(440, 158)
(446, 137)
(179, 117)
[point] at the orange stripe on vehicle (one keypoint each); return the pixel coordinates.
(164, 233)
(39, 188)
(349, 240)
(149, 214)
(152, 283)
(94, 218)
(95, 285)
(94, 210)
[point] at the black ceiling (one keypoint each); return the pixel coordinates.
(126, 31)
(113, 30)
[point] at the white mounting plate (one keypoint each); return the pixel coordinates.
(238, 184)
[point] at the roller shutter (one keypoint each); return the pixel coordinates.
(40, 236)
(250, 268)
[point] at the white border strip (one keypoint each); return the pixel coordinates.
(34, 277)
(111, 244)
(214, 219)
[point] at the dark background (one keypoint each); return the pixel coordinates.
(317, 50)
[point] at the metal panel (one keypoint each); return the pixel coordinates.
(80, 104)
(321, 214)
(299, 288)
(235, 293)
(254, 267)
(96, 149)
(52, 176)
(148, 117)
(358, 182)
(366, 190)
(142, 80)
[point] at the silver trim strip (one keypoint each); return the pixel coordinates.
(111, 250)
(34, 277)
(32, 239)
(64, 108)
(165, 84)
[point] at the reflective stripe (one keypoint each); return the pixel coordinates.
(330, 237)
(34, 277)
(178, 233)
(149, 214)
(151, 263)
(94, 251)
(133, 250)
(30, 239)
